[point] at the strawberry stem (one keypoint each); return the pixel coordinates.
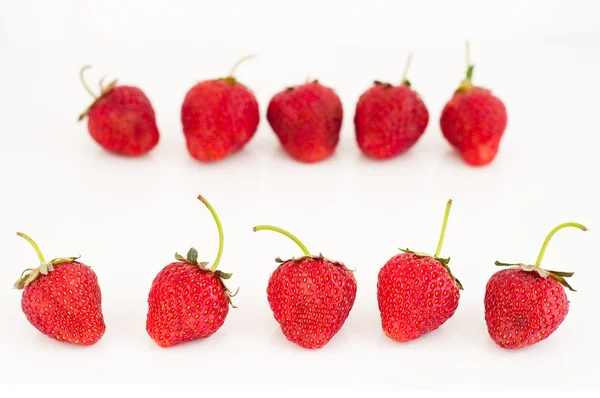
(219, 227)
(238, 63)
(406, 67)
(35, 247)
(551, 234)
(85, 86)
(468, 58)
(283, 232)
(444, 224)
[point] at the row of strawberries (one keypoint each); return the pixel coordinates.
(310, 296)
(220, 116)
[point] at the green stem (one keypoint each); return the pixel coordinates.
(538, 262)
(283, 232)
(87, 88)
(468, 55)
(35, 247)
(239, 62)
(219, 227)
(441, 241)
(406, 67)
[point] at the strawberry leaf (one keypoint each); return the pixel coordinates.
(223, 275)
(62, 260)
(192, 256)
(498, 263)
(561, 280)
(560, 273)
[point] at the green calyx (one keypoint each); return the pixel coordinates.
(436, 256)
(192, 255)
(31, 274)
(557, 275)
(104, 90)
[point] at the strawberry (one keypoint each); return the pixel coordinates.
(307, 120)
(62, 299)
(188, 300)
(219, 117)
(310, 296)
(121, 119)
(389, 119)
(526, 304)
(416, 292)
(473, 122)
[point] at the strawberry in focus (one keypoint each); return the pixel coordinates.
(389, 119)
(307, 120)
(473, 121)
(121, 119)
(416, 292)
(219, 117)
(62, 299)
(526, 304)
(188, 300)
(310, 296)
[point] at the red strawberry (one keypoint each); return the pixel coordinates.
(219, 117)
(389, 119)
(526, 304)
(310, 296)
(473, 122)
(62, 299)
(121, 119)
(188, 300)
(307, 120)
(416, 292)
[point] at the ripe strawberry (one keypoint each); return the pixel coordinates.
(188, 300)
(416, 292)
(310, 296)
(121, 119)
(307, 120)
(473, 122)
(219, 117)
(389, 119)
(62, 299)
(525, 304)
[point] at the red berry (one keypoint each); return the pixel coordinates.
(473, 122)
(121, 119)
(526, 304)
(188, 300)
(310, 296)
(62, 299)
(219, 117)
(416, 292)
(389, 119)
(307, 120)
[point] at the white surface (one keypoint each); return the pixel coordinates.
(127, 217)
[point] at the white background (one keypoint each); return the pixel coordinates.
(127, 217)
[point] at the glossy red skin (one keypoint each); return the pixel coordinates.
(522, 308)
(416, 295)
(66, 304)
(311, 299)
(219, 117)
(123, 122)
(473, 121)
(307, 120)
(389, 120)
(185, 303)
